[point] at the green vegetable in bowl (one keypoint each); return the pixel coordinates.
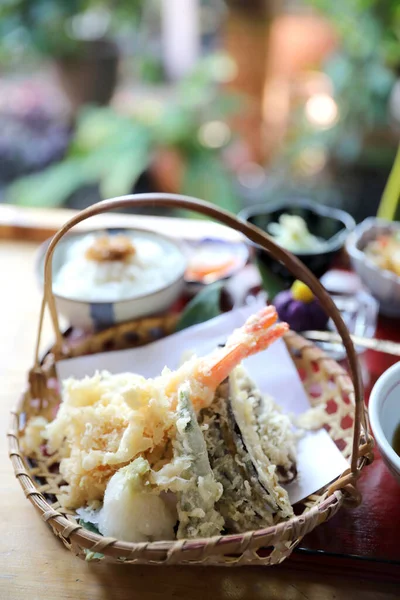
(292, 233)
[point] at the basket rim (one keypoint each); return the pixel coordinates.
(87, 539)
(111, 546)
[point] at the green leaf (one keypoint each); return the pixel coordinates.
(89, 555)
(175, 126)
(120, 179)
(115, 163)
(89, 526)
(122, 162)
(48, 188)
(206, 177)
(203, 307)
(99, 127)
(271, 283)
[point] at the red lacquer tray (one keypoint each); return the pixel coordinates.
(368, 536)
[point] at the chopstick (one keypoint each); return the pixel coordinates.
(385, 346)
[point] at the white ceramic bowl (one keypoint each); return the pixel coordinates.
(383, 285)
(92, 314)
(384, 415)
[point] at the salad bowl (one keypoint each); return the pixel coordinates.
(330, 225)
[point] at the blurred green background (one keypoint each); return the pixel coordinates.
(237, 102)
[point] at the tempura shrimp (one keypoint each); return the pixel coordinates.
(206, 373)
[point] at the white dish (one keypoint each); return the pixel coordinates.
(87, 307)
(223, 259)
(383, 285)
(384, 416)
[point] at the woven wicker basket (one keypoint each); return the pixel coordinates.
(323, 379)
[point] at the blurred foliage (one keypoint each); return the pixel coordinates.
(388, 12)
(363, 23)
(58, 27)
(113, 149)
(361, 89)
(362, 80)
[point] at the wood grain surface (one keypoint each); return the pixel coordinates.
(33, 563)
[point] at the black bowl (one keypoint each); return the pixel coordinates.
(330, 224)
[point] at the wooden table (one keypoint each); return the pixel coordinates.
(34, 564)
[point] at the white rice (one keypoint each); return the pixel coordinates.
(156, 263)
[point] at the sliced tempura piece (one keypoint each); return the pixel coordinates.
(244, 410)
(278, 438)
(244, 503)
(196, 501)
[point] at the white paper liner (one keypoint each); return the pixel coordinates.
(319, 460)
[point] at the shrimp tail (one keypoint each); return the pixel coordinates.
(257, 334)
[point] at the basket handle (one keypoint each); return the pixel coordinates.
(253, 233)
